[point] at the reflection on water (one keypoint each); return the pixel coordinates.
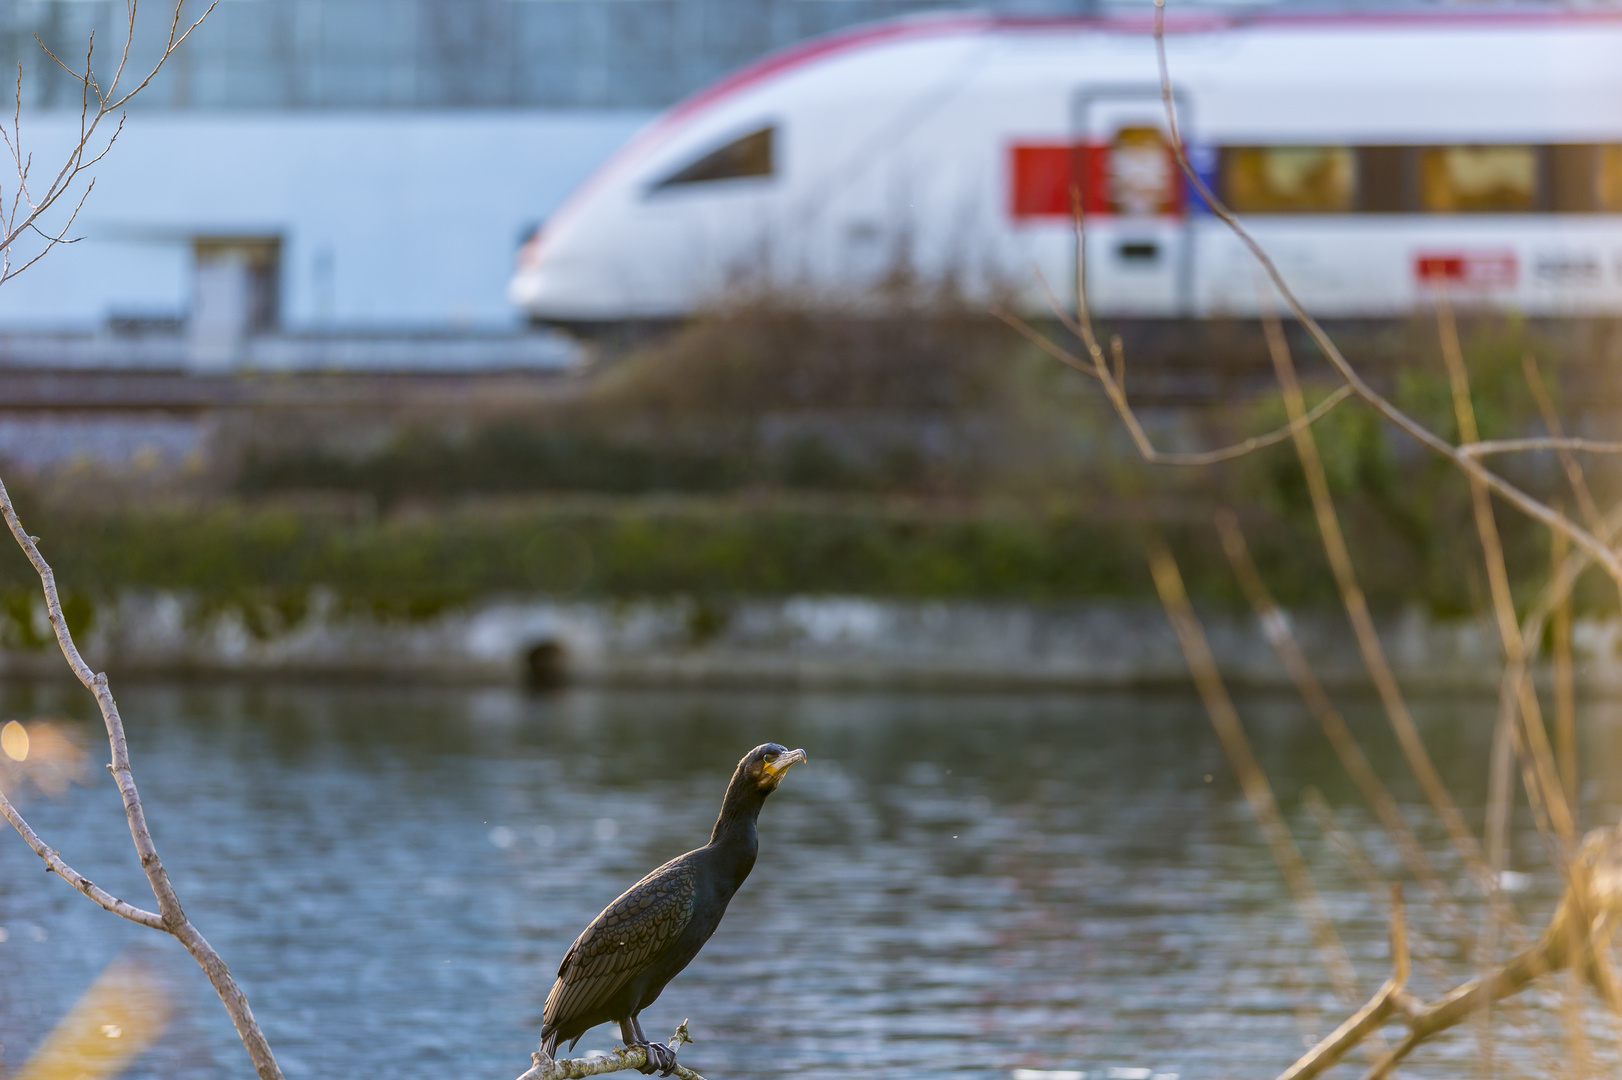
(952, 885)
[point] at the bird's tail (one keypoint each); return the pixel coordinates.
(549, 1043)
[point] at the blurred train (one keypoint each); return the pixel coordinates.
(1380, 156)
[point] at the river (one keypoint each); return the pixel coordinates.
(951, 886)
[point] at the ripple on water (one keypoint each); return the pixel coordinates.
(1040, 888)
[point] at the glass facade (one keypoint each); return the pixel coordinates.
(431, 54)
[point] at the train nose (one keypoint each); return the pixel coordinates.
(529, 250)
(528, 285)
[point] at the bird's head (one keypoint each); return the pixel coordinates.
(765, 765)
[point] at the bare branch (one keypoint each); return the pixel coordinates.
(7, 273)
(1041, 341)
(172, 916)
(168, 51)
(54, 864)
(1574, 470)
(79, 156)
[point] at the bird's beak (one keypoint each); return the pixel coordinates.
(782, 764)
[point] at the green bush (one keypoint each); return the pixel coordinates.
(267, 560)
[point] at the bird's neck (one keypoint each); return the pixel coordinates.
(734, 834)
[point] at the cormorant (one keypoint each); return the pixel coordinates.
(620, 963)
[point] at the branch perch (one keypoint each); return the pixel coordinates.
(546, 1068)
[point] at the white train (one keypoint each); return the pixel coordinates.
(1378, 155)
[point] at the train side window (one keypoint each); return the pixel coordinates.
(1289, 179)
(749, 155)
(1478, 179)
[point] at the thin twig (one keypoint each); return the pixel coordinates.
(1095, 369)
(171, 914)
(1484, 447)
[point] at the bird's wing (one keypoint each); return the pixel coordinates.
(620, 942)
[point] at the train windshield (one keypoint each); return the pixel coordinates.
(748, 155)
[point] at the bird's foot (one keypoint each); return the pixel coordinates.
(661, 1059)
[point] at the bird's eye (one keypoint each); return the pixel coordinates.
(771, 757)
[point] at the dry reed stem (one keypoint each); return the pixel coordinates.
(1351, 853)
(1544, 787)
(1598, 870)
(1357, 610)
(1276, 628)
(1364, 1023)
(1565, 698)
(1509, 635)
(1358, 862)
(1568, 461)
(1299, 429)
(1252, 779)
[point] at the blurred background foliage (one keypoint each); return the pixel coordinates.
(764, 451)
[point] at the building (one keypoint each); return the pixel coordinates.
(312, 172)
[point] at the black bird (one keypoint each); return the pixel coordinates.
(621, 962)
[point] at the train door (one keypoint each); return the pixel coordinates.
(1138, 255)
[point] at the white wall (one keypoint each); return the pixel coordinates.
(389, 220)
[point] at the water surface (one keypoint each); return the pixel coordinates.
(954, 885)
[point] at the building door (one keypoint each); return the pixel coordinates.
(235, 293)
(1138, 254)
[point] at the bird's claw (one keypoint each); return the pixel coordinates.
(661, 1059)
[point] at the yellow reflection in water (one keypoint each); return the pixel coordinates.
(123, 1013)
